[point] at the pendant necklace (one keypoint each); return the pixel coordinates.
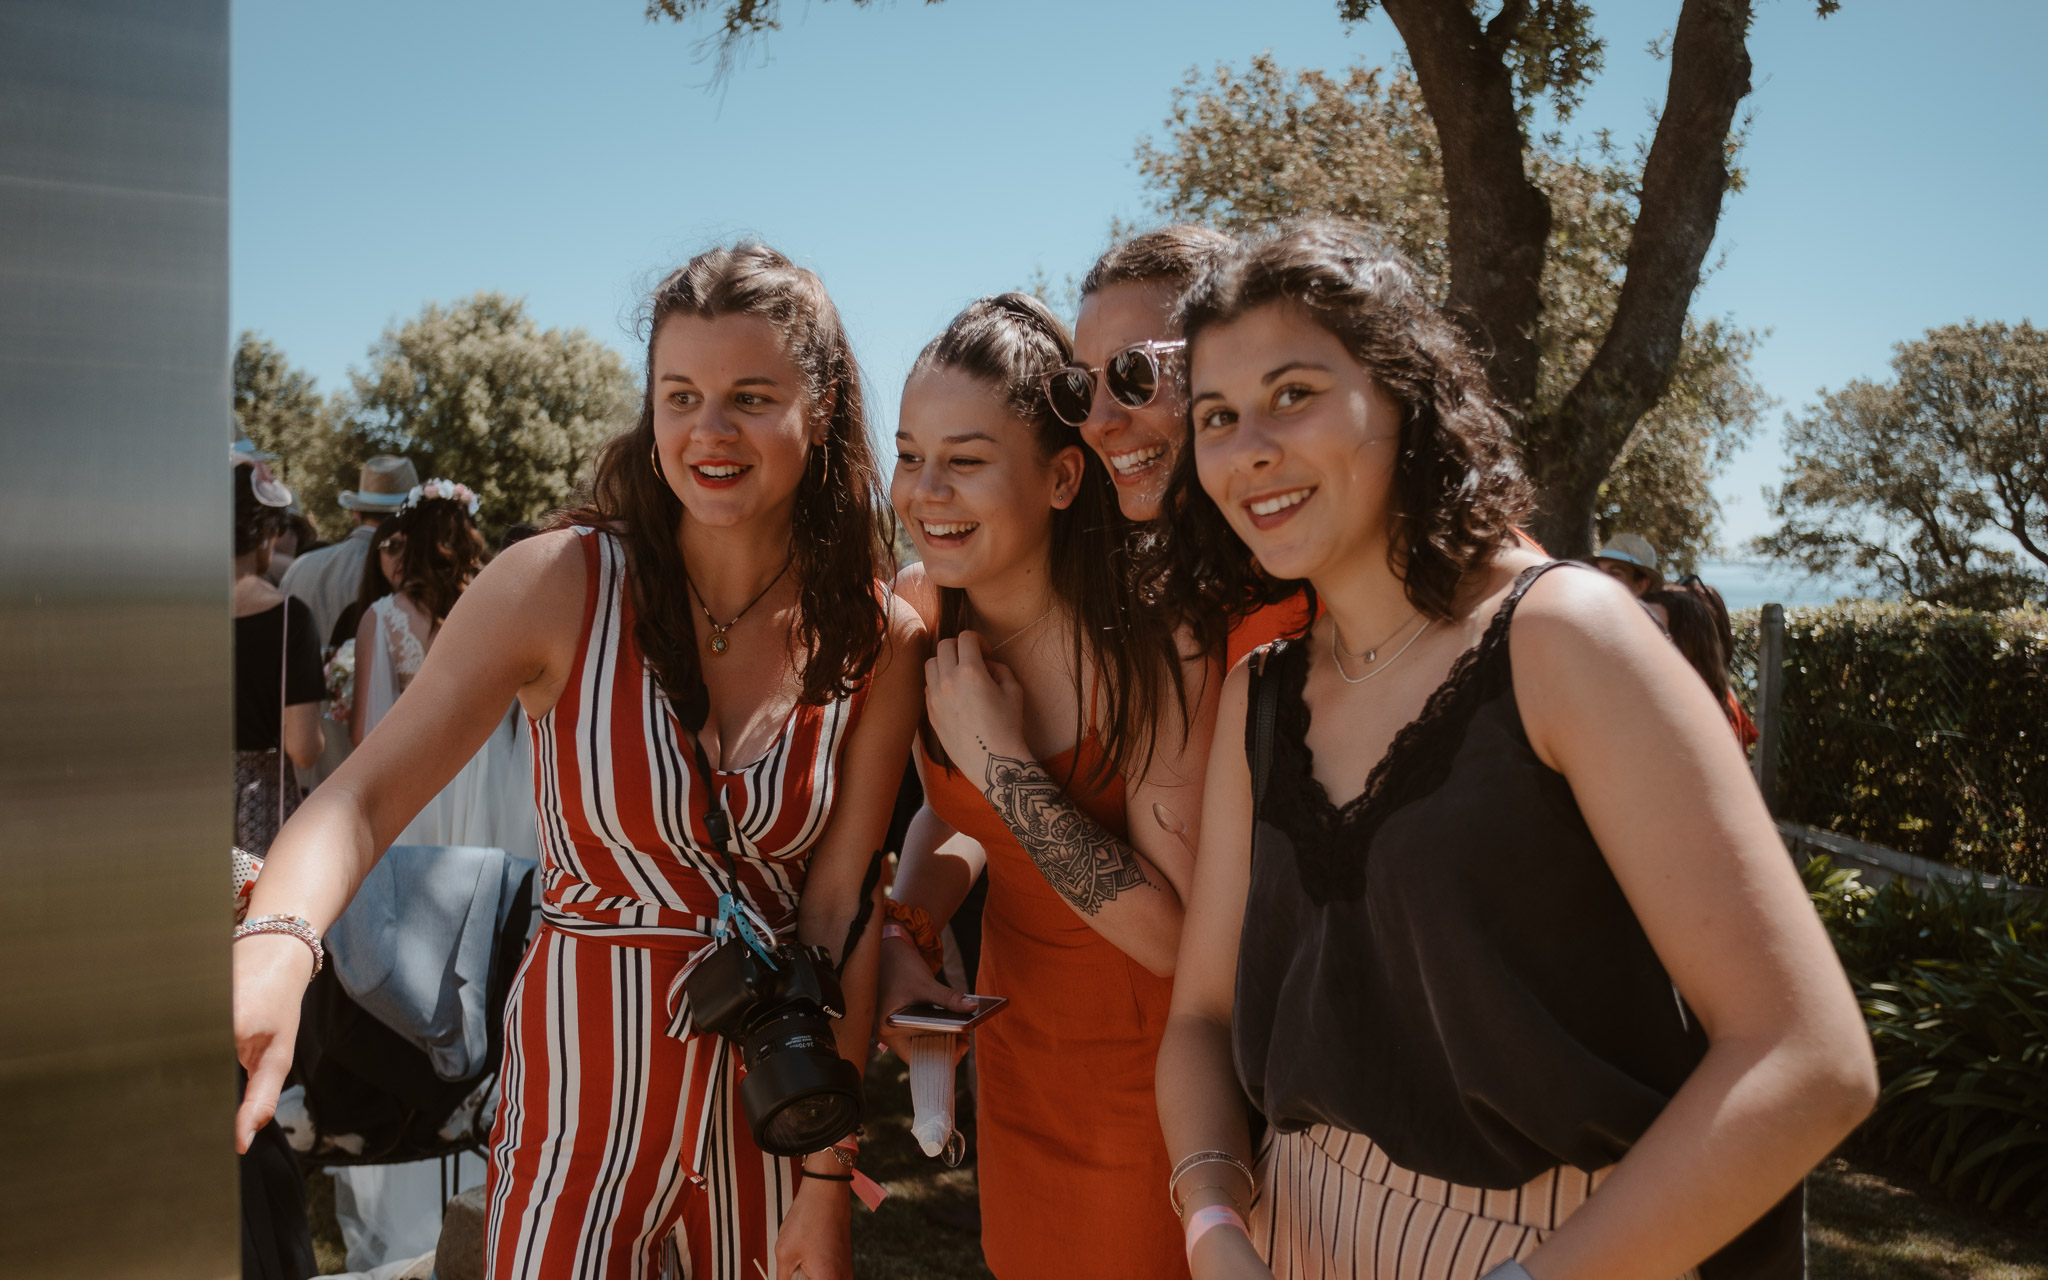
(719, 644)
(1337, 652)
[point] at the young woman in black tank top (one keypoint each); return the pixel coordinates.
(1502, 944)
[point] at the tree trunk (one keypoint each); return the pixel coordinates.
(1500, 222)
(1499, 219)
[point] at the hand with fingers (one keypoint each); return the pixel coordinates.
(270, 976)
(976, 705)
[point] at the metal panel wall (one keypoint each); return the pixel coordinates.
(116, 1066)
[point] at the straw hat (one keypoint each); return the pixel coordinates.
(385, 481)
(1633, 549)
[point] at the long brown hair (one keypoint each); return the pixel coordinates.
(1458, 485)
(839, 541)
(1124, 653)
(443, 551)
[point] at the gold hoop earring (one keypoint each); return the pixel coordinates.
(654, 455)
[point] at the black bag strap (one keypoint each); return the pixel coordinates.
(1265, 713)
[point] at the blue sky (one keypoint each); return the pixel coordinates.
(391, 154)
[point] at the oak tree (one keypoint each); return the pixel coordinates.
(1247, 148)
(1483, 66)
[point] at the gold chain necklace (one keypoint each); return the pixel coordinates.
(719, 644)
(1021, 630)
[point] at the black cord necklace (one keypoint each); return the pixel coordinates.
(719, 644)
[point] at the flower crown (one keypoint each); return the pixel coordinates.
(446, 490)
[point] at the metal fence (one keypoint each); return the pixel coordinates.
(1905, 729)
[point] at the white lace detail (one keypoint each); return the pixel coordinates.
(399, 641)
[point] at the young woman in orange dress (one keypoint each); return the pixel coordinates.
(720, 694)
(1489, 920)
(1061, 714)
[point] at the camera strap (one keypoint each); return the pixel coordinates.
(736, 916)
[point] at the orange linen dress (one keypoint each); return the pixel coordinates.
(1072, 1164)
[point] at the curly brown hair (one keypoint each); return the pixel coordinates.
(1008, 342)
(841, 527)
(441, 553)
(1459, 490)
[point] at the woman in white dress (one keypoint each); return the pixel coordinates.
(429, 552)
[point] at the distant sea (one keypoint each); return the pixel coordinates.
(1747, 584)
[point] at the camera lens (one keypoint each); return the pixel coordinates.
(800, 1096)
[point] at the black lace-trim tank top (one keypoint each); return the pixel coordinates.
(1445, 964)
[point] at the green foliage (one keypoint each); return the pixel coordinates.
(282, 412)
(1954, 987)
(1548, 44)
(478, 392)
(1246, 149)
(1933, 485)
(1919, 728)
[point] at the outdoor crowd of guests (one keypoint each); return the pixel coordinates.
(1372, 894)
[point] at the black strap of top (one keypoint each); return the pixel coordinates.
(693, 712)
(1265, 712)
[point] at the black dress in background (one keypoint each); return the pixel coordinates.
(277, 664)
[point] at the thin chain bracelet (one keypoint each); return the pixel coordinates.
(297, 926)
(1197, 1159)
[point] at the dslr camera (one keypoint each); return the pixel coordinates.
(799, 1095)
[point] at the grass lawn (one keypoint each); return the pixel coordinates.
(1866, 1220)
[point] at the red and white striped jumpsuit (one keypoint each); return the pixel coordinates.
(618, 1122)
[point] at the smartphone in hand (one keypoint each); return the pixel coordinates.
(934, 1017)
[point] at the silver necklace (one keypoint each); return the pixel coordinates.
(1337, 652)
(1372, 655)
(1021, 630)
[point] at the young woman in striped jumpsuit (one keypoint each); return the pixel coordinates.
(724, 574)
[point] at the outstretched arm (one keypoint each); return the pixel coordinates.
(513, 632)
(978, 710)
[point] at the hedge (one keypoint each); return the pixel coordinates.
(1919, 728)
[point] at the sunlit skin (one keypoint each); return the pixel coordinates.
(1138, 446)
(1299, 453)
(731, 422)
(975, 495)
(1295, 444)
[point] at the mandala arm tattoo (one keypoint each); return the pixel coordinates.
(1083, 863)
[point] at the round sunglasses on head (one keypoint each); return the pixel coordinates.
(1132, 377)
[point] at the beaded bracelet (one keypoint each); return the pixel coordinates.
(916, 927)
(297, 926)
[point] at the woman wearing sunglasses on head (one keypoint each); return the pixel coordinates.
(1121, 390)
(720, 696)
(1057, 722)
(1489, 919)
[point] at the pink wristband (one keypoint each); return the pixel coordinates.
(1206, 1219)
